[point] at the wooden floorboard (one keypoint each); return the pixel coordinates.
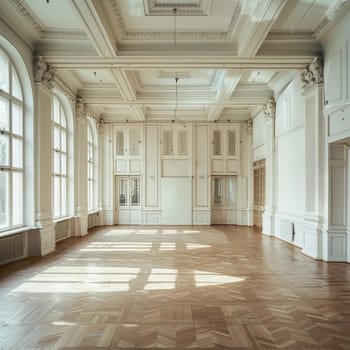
(221, 287)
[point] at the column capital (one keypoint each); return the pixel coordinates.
(313, 74)
(250, 127)
(270, 109)
(43, 73)
(80, 108)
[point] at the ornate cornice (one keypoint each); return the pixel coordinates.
(43, 73)
(313, 73)
(30, 17)
(181, 35)
(331, 13)
(291, 35)
(270, 109)
(194, 9)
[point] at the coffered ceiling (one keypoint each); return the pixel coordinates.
(122, 56)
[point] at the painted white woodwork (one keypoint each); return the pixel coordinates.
(225, 149)
(338, 123)
(224, 199)
(43, 209)
(151, 177)
(127, 199)
(151, 217)
(128, 149)
(337, 57)
(176, 201)
(107, 179)
(176, 150)
(314, 152)
(80, 158)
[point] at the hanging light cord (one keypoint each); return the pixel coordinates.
(174, 25)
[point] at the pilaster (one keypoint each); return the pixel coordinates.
(312, 78)
(43, 240)
(268, 227)
(80, 133)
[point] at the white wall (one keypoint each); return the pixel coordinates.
(290, 161)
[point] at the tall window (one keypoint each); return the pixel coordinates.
(91, 157)
(11, 146)
(60, 133)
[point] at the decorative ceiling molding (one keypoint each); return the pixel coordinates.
(185, 8)
(45, 33)
(330, 14)
(166, 74)
(291, 35)
(181, 35)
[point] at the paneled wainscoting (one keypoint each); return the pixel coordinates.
(223, 287)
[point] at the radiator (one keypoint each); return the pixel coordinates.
(62, 230)
(12, 248)
(287, 230)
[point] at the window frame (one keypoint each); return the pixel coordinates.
(10, 168)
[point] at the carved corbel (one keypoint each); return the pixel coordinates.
(80, 108)
(43, 73)
(270, 109)
(250, 127)
(313, 73)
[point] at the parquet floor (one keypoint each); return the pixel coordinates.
(175, 288)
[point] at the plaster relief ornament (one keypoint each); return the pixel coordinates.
(80, 108)
(42, 72)
(313, 74)
(270, 109)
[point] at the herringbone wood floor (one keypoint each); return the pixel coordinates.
(175, 287)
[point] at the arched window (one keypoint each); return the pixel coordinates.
(11, 146)
(60, 159)
(92, 167)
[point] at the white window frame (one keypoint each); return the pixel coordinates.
(61, 153)
(10, 168)
(91, 168)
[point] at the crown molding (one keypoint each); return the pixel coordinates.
(334, 10)
(194, 8)
(181, 35)
(45, 33)
(291, 35)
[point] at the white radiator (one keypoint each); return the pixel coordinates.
(287, 230)
(12, 248)
(62, 230)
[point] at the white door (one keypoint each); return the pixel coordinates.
(176, 201)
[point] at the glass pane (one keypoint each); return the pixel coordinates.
(16, 87)
(135, 191)
(231, 191)
(90, 170)
(63, 164)
(90, 152)
(123, 199)
(4, 149)
(56, 110)
(134, 142)
(17, 152)
(231, 137)
(90, 194)
(119, 146)
(56, 162)
(4, 199)
(57, 197)
(217, 191)
(17, 198)
(63, 117)
(4, 114)
(168, 148)
(4, 71)
(217, 143)
(63, 141)
(182, 142)
(63, 196)
(89, 136)
(17, 120)
(56, 138)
